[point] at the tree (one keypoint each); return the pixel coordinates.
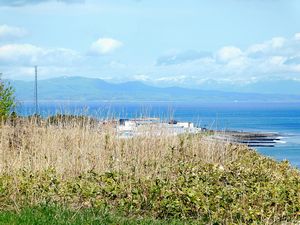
(7, 99)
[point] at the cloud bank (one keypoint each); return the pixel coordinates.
(18, 3)
(277, 58)
(29, 55)
(178, 57)
(11, 32)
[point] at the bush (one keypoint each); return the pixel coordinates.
(7, 99)
(252, 189)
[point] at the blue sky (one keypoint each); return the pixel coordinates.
(185, 43)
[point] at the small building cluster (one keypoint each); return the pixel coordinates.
(153, 126)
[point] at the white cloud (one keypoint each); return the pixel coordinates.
(18, 3)
(257, 48)
(275, 46)
(228, 53)
(277, 57)
(105, 46)
(16, 52)
(239, 63)
(141, 77)
(277, 42)
(297, 36)
(177, 79)
(277, 60)
(27, 72)
(9, 32)
(27, 54)
(177, 57)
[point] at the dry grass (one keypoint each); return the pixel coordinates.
(80, 163)
(75, 147)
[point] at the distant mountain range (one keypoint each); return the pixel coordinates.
(276, 86)
(89, 89)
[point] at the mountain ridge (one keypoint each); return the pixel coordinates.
(93, 89)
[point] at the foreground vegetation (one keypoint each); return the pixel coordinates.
(84, 173)
(53, 214)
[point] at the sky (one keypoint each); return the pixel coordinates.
(163, 42)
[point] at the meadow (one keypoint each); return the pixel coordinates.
(78, 171)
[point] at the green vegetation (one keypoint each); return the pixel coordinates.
(7, 100)
(53, 214)
(78, 173)
(252, 189)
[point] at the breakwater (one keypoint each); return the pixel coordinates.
(251, 139)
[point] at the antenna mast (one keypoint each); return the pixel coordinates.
(35, 92)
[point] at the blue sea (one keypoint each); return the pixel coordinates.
(283, 118)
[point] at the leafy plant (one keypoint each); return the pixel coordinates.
(7, 99)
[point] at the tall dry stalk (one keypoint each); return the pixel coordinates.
(75, 147)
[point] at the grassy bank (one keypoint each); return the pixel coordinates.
(53, 214)
(84, 168)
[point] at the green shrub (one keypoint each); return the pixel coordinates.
(252, 189)
(7, 99)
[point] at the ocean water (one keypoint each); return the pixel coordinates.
(283, 118)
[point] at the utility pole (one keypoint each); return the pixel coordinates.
(36, 92)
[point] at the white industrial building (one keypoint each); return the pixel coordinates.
(153, 126)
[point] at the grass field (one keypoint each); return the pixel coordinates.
(79, 172)
(51, 215)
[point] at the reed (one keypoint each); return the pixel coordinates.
(73, 147)
(80, 163)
